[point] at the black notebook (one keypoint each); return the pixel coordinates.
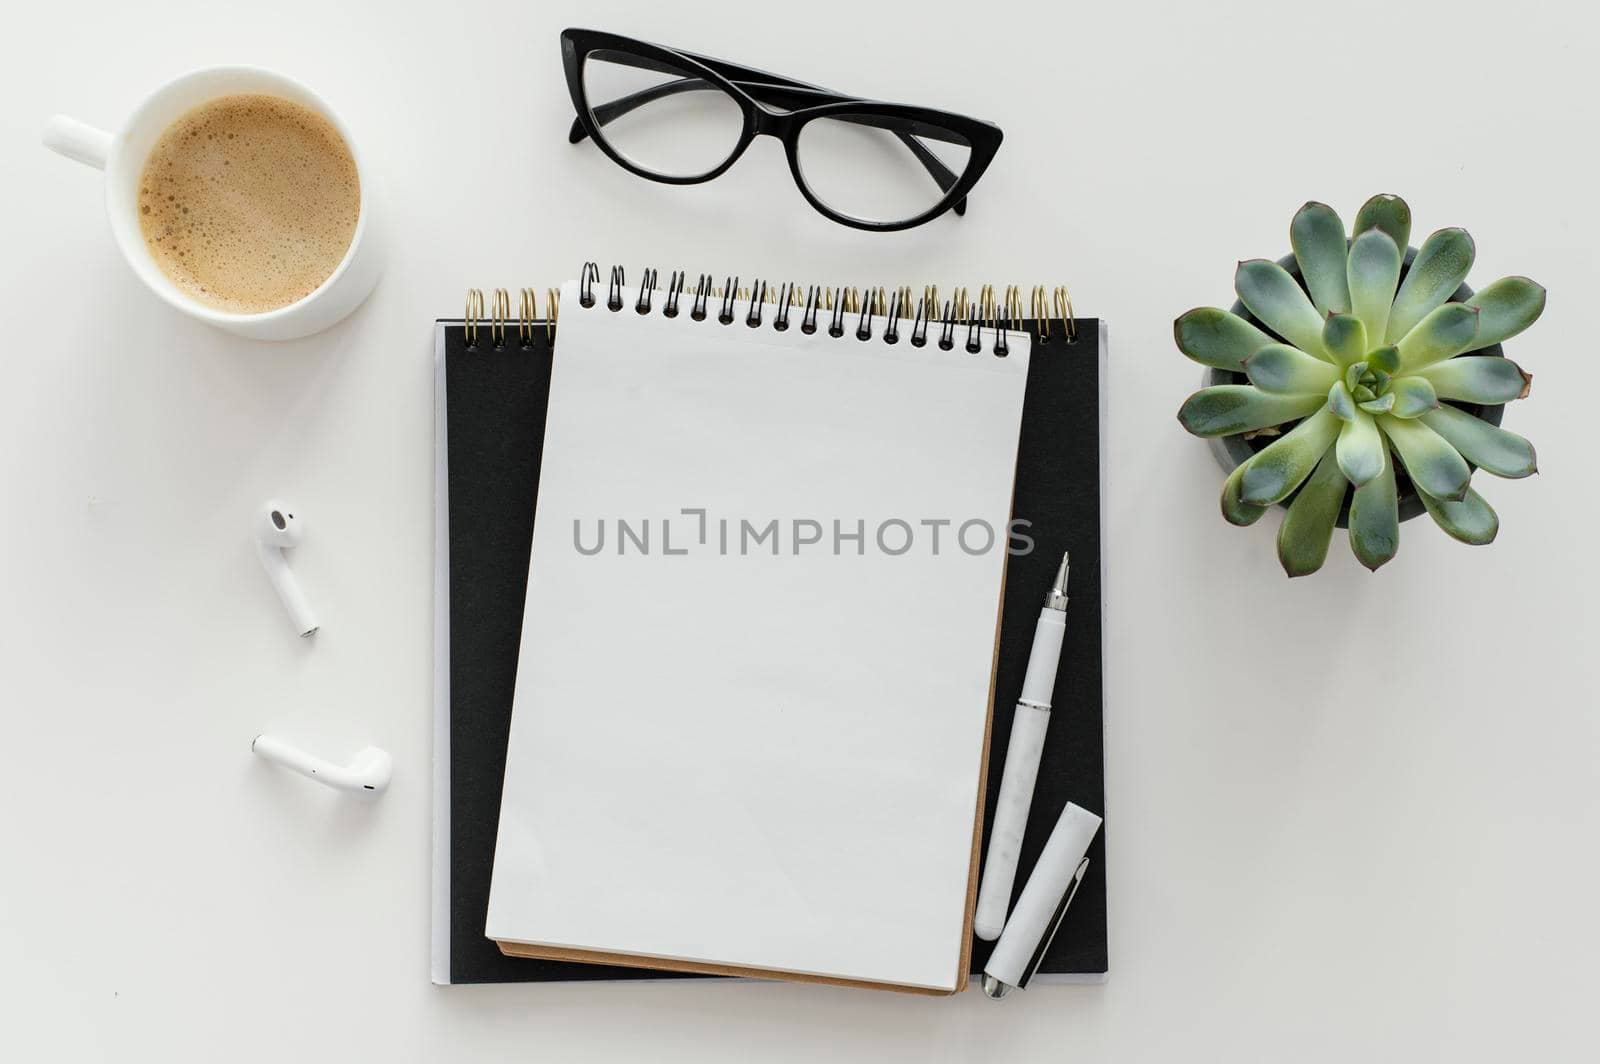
(491, 403)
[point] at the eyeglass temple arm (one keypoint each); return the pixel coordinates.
(783, 95)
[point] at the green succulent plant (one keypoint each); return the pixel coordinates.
(1362, 367)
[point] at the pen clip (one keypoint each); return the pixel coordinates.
(1049, 935)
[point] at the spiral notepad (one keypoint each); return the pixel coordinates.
(752, 703)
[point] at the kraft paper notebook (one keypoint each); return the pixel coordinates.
(752, 709)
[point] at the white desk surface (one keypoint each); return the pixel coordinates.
(1352, 817)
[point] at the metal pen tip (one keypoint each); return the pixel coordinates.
(1056, 598)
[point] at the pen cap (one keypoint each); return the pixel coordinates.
(1040, 682)
(1012, 961)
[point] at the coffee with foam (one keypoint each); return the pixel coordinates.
(249, 203)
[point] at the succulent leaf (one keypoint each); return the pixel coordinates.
(1437, 271)
(1413, 396)
(1282, 465)
(1274, 297)
(1345, 338)
(1435, 467)
(1360, 449)
(1509, 306)
(1303, 537)
(1381, 405)
(1469, 519)
(1385, 360)
(1227, 409)
(1389, 213)
(1375, 518)
(1317, 236)
(1374, 269)
(1478, 379)
(1341, 402)
(1445, 332)
(1216, 338)
(1505, 454)
(1284, 370)
(1234, 509)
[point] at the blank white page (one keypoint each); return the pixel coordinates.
(732, 745)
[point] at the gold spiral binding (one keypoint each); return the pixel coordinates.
(499, 311)
(527, 314)
(1013, 304)
(472, 315)
(1069, 324)
(989, 310)
(958, 306)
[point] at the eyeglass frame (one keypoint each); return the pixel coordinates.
(761, 119)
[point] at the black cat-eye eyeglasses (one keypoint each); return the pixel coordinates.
(681, 119)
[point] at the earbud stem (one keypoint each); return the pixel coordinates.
(288, 588)
(368, 771)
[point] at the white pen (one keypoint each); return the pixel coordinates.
(1022, 762)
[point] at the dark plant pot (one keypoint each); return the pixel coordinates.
(1230, 451)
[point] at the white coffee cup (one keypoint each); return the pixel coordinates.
(122, 156)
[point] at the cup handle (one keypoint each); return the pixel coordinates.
(78, 140)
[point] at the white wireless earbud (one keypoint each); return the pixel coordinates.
(368, 771)
(276, 532)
